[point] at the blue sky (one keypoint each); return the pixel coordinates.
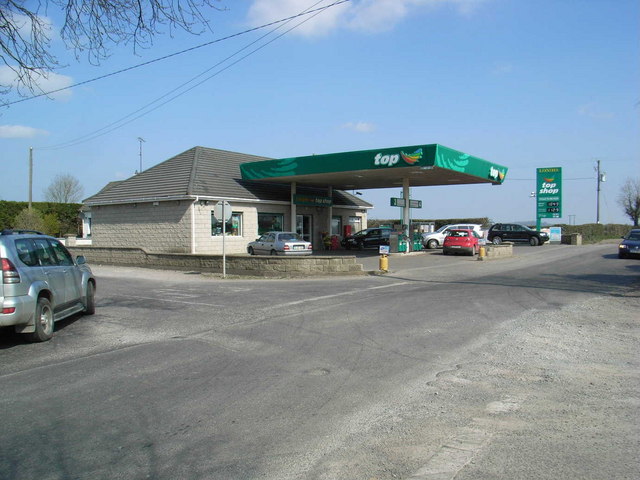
(524, 84)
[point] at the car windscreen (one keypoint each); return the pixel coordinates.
(633, 236)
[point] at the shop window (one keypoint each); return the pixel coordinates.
(336, 225)
(356, 224)
(233, 228)
(270, 222)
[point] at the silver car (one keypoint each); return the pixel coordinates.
(41, 284)
(436, 239)
(280, 243)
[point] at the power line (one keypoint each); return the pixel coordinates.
(121, 122)
(101, 77)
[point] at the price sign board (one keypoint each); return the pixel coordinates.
(549, 192)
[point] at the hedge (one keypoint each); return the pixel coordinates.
(68, 214)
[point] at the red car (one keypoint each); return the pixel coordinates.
(461, 241)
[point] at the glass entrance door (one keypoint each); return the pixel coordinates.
(304, 226)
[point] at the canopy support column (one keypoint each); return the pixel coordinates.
(405, 209)
(293, 207)
(330, 209)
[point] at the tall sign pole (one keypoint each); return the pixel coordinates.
(548, 194)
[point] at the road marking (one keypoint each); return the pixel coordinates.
(138, 297)
(335, 295)
(454, 456)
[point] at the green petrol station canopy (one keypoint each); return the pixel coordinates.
(423, 165)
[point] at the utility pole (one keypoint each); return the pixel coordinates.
(30, 176)
(601, 177)
(140, 139)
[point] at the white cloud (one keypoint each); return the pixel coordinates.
(44, 82)
(20, 131)
(362, 127)
(361, 15)
(265, 11)
(591, 110)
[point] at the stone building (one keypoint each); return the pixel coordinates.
(170, 207)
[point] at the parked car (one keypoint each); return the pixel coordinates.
(461, 241)
(435, 239)
(368, 238)
(514, 232)
(630, 245)
(280, 243)
(41, 283)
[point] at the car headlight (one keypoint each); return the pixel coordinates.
(624, 246)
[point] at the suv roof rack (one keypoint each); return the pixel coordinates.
(8, 231)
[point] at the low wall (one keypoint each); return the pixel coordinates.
(497, 251)
(571, 239)
(262, 266)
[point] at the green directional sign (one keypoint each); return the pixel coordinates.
(400, 202)
(549, 192)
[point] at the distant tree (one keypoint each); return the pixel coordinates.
(64, 189)
(29, 219)
(629, 199)
(88, 26)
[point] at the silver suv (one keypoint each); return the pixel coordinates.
(41, 283)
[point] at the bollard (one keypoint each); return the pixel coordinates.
(384, 263)
(482, 253)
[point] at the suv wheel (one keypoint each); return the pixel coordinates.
(90, 300)
(43, 320)
(433, 243)
(534, 242)
(497, 240)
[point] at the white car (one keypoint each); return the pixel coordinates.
(436, 239)
(280, 243)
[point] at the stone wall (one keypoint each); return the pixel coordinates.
(167, 226)
(154, 226)
(263, 266)
(497, 251)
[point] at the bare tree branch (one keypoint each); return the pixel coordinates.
(64, 189)
(91, 28)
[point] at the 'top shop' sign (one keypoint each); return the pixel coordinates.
(549, 192)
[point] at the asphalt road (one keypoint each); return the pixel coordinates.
(444, 368)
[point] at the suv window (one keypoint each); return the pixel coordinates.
(45, 254)
(64, 257)
(26, 252)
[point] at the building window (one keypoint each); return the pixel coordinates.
(356, 224)
(233, 227)
(336, 225)
(270, 222)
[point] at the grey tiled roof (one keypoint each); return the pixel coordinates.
(205, 172)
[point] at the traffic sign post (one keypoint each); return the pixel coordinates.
(222, 212)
